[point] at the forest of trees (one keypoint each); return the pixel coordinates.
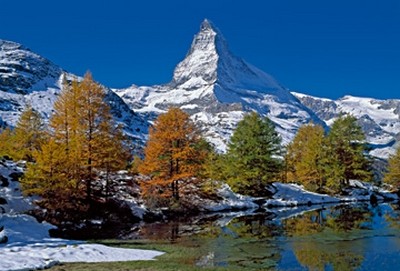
(66, 157)
(326, 162)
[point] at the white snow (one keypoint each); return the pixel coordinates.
(289, 195)
(29, 244)
(379, 118)
(230, 201)
(217, 88)
(294, 194)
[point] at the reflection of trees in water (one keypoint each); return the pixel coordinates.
(248, 242)
(161, 231)
(317, 256)
(258, 227)
(393, 217)
(320, 239)
(318, 247)
(342, 218)
(308, 223)
(348, 217)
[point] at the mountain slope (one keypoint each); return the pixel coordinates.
(26, 78)
(379, 119)
(217, 89)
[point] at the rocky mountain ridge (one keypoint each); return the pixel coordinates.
(379, 119)
(213, 85)
(27, 78)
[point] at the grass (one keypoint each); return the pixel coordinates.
(178, 257)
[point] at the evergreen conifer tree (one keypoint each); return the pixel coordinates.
(254, 155)
(346, 153)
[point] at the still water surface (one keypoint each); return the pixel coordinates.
(339, 237)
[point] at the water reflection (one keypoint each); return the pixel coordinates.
(341, 237)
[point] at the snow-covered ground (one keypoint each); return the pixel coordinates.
(295, 195)
(29, 245)
(230, 201)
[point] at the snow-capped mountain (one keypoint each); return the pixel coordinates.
(217, 89)
(213, 85)
(26, 78)
(380, 119)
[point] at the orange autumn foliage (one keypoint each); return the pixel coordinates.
(173, 156)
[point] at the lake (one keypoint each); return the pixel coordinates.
(337, 237)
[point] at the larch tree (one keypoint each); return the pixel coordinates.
(346, 153)
(29, 134)
(94, 121)
(113, 154)
(90, 142)
(173, 155)
(392, 175)
(49, 178)
(254, 155)
(6, 142)
(304, 157)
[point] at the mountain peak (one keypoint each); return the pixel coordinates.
(206, 25)
(209, 61)
(6, 45)
(21, 70)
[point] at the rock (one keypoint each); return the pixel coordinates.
(3, 201)
(15, 176)
(4, 181)
(373, 199)
(3, 239)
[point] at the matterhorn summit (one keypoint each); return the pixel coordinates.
(217, 88)
(209, 61)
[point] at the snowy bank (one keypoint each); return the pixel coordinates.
(289, 195)
(294, 195)
(44, 256)
(229, 201)
(362, 191)
(28, 244)
(30, 247)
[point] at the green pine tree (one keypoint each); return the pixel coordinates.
(253, 157)
(346, 153)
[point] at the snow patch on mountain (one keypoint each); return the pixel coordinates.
(217, 88)
(379, 119)
(27, 79)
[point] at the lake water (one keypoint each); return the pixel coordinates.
(338, 237)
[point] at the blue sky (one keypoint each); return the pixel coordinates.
(323, 48)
